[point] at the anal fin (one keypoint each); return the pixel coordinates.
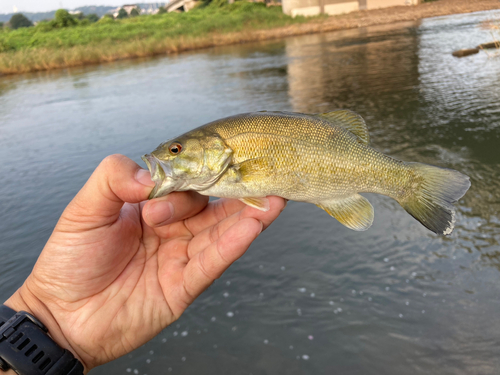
(355, 212)
(258, 203)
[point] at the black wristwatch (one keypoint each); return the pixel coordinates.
(26, 348)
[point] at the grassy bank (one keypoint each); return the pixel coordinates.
(45, 47)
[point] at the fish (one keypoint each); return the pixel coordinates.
(324, 159)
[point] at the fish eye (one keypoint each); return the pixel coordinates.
(175, 148)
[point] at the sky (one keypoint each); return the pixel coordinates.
(11, 6)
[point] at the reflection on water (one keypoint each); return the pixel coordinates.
(310, 297)
(354, 69)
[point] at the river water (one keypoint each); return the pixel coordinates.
(310, 296)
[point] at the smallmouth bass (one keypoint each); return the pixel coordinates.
(324, 159)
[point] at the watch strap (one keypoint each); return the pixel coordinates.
(5, 314)
(26, 347)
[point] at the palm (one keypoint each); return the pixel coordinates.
(112, 282)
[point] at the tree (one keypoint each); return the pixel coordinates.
(134, 12)
(122, 13)
(64, 19)
(19, 20)
(162, 10)
(79, 16)
(107, 19)
(92, 17)
(45, 25)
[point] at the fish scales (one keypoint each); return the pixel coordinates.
(327, 160)
(323, 159)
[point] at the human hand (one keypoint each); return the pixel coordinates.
(114, 274)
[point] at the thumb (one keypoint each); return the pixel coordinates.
(115, 181)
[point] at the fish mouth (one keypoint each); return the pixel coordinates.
(161, 174)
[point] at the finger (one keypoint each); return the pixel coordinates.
(208, 265)
(215, 212)
(173, 207)
(219, 208)
(213, 233)
(116, 180)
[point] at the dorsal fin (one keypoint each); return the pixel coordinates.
(350, 121)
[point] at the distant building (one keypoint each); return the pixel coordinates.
(150, 11)
(315, 7)
(149, 8)
(127, 7)
(180, 5)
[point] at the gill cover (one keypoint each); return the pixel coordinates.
(199, 164)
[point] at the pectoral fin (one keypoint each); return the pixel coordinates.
(254, 168)
(355, 212)
(258, 203)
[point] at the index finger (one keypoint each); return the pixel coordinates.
(173, 207)
(223, 208)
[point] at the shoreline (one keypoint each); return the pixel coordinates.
(48, 59)
(382, 16)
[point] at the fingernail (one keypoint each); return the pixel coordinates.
(261, 227)
(144, 177)
(161, 212)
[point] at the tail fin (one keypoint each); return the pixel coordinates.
(431, 201)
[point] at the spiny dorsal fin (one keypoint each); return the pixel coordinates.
(258, 203)
(350, 121)
(355, 212)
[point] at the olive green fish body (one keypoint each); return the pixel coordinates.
(300, 158)
(323, 159)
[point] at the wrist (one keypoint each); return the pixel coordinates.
(24, 300)
(9, 372)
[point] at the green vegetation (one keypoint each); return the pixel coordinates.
(92, 17)
(79, 16)
(64, 19)
(18, 21)
(122, 13)
(67, 41)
